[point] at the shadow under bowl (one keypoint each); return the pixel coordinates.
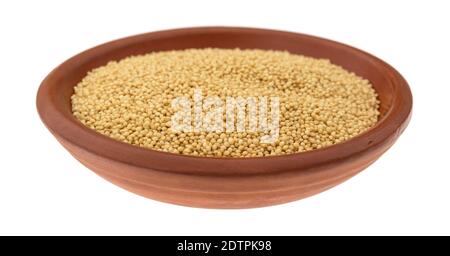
(224, 182)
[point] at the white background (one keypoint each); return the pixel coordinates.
(44, 190)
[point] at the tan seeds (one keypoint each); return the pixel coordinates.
(321, 104)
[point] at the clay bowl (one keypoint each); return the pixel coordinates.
(224, 182)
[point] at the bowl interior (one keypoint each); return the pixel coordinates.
(54, 103)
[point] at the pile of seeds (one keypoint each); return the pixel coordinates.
(131, 100)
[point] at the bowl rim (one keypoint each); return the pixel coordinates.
(66, 127)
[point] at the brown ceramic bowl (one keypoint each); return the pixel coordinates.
(224, 182)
